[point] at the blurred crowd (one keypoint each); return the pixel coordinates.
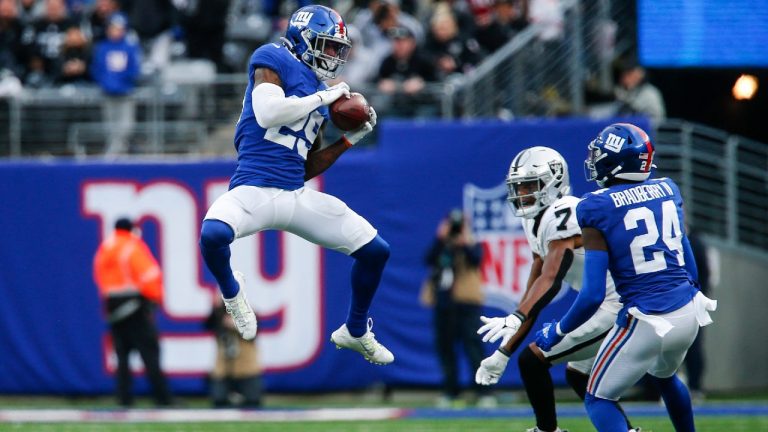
(399, 45)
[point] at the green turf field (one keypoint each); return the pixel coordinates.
(706, 424)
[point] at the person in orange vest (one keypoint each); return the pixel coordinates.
(131, 283)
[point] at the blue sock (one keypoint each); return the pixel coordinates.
(366, 274)
(678, 402)
(215, 237)
(605, 414)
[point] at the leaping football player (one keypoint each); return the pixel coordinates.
(539, 192)
(634, 227)
(279, 147)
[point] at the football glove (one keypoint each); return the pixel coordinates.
(501, 328)
(549, 336)
(356, 135)
(330, 94)
(491, 368)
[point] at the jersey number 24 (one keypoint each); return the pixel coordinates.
(671, 235)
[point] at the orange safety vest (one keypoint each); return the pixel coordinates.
(124, 265)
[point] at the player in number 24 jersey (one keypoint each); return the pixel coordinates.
(634, 228)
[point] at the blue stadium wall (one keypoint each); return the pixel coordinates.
(53, 335)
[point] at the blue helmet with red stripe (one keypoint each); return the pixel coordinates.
(317, 35)
(621, 151)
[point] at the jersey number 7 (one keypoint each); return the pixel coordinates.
(671, 234)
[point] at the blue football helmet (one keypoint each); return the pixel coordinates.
(621, 151)
(317, 35)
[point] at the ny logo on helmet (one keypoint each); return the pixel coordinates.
(301, 19)
(614, 143)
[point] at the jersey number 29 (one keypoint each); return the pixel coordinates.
(301, 133)
(671, 235)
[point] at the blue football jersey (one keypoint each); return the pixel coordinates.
(275, 157)
(644, 229)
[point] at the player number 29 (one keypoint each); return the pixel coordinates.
(671, 234)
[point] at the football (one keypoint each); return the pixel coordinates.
(349, 114)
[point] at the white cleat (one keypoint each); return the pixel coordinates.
(241, 311)
(367, 345)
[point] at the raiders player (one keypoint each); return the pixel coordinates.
(539, 190)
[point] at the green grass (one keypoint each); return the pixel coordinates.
(649, 424)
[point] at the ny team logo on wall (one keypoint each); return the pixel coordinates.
(506, 254)
(290, 297)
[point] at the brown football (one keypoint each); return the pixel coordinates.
(349, 114)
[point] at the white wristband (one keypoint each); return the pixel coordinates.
(558, 331)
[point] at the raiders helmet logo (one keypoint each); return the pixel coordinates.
(556, 168)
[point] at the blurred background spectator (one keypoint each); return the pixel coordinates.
(637, 96)
(47, 41)
(454, 290)
(157, 24)
(498, 26)
(451, 52)
(75, 58)
(116, 68)
(204, 23)
(131, 284)
(403, 74)
(99, 17)
(236, 376)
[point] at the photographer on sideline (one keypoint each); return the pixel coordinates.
(454, 289)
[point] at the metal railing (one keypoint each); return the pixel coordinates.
(723, 177)
(68, 121)
(535, 76)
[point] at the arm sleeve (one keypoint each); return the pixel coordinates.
(592, 292)
(272, 108)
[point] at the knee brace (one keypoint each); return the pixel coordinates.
(215, 234)
(376, 251)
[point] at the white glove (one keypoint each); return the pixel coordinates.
(356, 135)
(330, 94)
(491, 368)
(501, 328)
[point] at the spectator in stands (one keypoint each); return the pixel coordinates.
(49, 34)
(509, 17)
(361, 68)
(11, 48)
(99, 19)
(30, 11)
(451, 53)
(236, 375)
(637, 96)
(78, 8)
(375, 22)
(465, 13)
(403, 75)
(549, 15)
(156, 23)
(131, 284)
(205, 25)
(454, 290)
(75, 58)
(116, 68)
